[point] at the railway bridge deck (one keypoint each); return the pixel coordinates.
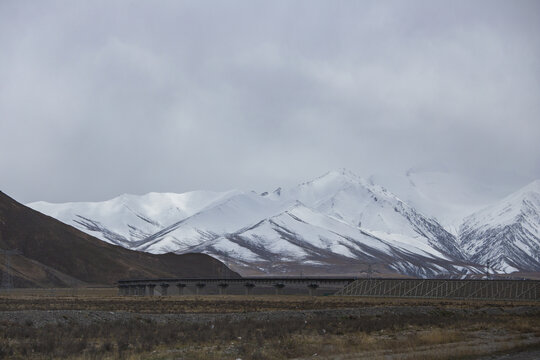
(465, 289)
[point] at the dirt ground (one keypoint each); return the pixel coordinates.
(98, 324)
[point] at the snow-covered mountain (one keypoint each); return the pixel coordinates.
(128, 219)
(338, 218)
(337, 223)
(507, 233)
(445, 196)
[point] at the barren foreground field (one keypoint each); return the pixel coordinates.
(97, 324)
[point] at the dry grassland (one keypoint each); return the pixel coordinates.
(258, 327)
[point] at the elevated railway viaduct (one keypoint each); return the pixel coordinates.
(246, 285)
(524, 290)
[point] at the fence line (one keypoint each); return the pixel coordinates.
(526, 290)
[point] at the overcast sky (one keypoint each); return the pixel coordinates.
(100, 98)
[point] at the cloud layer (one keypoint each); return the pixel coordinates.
(102, 98)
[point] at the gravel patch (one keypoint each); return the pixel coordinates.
(40, 318)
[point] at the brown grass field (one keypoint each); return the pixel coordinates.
(95, 323)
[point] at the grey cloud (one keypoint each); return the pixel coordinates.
(102, 98)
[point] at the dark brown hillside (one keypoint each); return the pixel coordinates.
(56, 254)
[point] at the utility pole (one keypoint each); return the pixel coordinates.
(7, 278)
(487, 270)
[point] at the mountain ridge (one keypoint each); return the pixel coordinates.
(56, 254)
(344, 209)
(511, 227)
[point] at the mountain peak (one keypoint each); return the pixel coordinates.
(530, 191)
(513, 224)
(341, 176)
(343, 172)
(531, 187)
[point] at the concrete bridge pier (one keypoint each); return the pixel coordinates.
(249, 287)
(180, 287)
(164, 288)
(312, 288)
(222, 288)
(199, 286)
(279, 288)
(151, 288)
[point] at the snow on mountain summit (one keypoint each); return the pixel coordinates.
(129, 218)
(506, 233)
(447, 197)
(232, 214)
(354, 200)
(519, 206)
